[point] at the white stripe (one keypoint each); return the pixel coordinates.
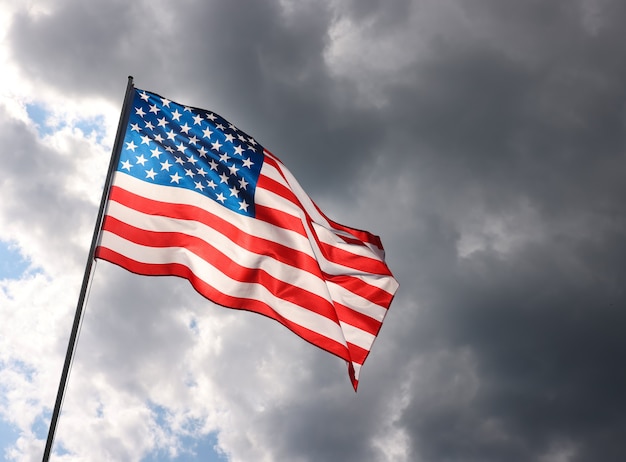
(270, 199)
(330, 236)
(356, 302)
(357, 336)
(300, 193)
(383, 282)
(215, 278)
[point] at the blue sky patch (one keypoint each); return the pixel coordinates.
(93, 125)
(39, 114)
(12, 264)
(192, 448)
(8, 436)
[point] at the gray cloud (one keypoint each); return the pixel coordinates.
(506, 133)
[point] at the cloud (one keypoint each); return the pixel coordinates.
(483, 142)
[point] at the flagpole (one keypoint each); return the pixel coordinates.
(117, 148)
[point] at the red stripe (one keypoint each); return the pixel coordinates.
(224, 264)
(359, 234)
(280, 219)
(270, 184)
(271, 159)
(351, 260)
(210, 292)
(358, 354)
(361, 288)
(358, 320)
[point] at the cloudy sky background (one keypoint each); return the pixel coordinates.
(484, 141)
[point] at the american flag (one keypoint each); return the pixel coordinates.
(194, 196)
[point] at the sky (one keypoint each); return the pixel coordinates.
(483, 141)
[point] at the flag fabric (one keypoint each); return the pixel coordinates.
(194, 196)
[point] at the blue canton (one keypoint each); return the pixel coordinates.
(184, 147)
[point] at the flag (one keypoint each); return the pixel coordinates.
(194, 196)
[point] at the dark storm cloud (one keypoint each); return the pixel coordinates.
(541, 320)
(511, 352)
(248, 61)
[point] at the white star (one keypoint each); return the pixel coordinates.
(155, 152)
(199, 186)
(232, 127)
(230, 138)
(150, 174)
(224, 178)
(162, 122)
(211, 184)
(176, 115)
(189, 172)
(202, 151)
(126, 165)
(143, 95)
(216, 146)
(169, 149)
(213, 165)
(131, 146)
(175, 178)
(187, 108)
(224, 157)
(238, 150)
(166, 102)
(141, 159)
(201, 171)
(233, 169)
(179, 160)
(193, 140)
(135, 127)
(149, 125)
(166, 165)
(243, 183)
(139, 111)
(241, 137)
(192, 159)
(234, 192)
(243, 205)
(181, 147)
(220, 197)
(171, 135)
(248, 163)
(197, 119)
(206, 133)
(154, 108)
(251, 141)
(211, 117)
(185, 128)
(220, 127)
(145, 139)
(158, 138)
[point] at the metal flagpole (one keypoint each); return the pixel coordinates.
(117, 148)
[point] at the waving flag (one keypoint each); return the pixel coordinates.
(193, 196)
